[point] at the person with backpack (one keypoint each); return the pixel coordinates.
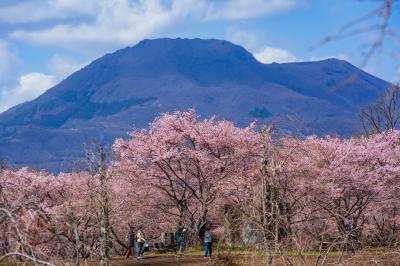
(140, 239)
(180, 239)
(130, 239)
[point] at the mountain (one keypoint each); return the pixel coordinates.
(130, 87)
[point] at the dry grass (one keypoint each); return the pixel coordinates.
(227, 258)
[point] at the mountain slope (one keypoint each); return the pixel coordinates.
(131, 86)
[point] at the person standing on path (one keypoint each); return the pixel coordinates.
(180, 239)
(349, 237)
(207, 242)
(131, 242)
(140, 239)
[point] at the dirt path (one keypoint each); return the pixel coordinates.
(161, 261)
(362, 259)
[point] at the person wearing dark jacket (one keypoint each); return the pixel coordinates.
(180, 239)
(131, 242)
(349, 237)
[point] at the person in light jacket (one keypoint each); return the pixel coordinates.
(207, 242)
(140, 239)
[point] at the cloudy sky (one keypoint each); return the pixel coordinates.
(43, 41)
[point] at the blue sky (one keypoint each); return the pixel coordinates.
(43, 41)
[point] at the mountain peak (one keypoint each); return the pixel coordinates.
(186, 42)
(130, 87)
(202, 50)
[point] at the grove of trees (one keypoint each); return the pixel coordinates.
(258, 190)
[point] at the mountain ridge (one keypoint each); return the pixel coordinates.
(130, 87)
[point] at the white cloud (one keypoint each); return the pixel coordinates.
(41, 10)
(247, 39)
(396, 78)
(243, 9)
(263, 53)
(61, 67)
(114, 23)
(29, 87)
(9, 61)
(105, 24)
(278, 55)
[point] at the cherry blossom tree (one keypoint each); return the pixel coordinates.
(291, 193)
(348, 179)
(183, 165)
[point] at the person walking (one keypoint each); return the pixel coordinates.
(140, 239)
(207, 242)
(180, 239)
(130, 238)
(349, 237)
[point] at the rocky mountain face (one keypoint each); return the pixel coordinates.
(130, 87)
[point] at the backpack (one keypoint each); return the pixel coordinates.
(201, 231)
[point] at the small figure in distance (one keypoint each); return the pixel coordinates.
(140, 239)
(130, 239)
(180, 239)
(207, 241)
(350, 227)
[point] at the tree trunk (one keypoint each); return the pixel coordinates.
(104, 211)
(77, 242)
